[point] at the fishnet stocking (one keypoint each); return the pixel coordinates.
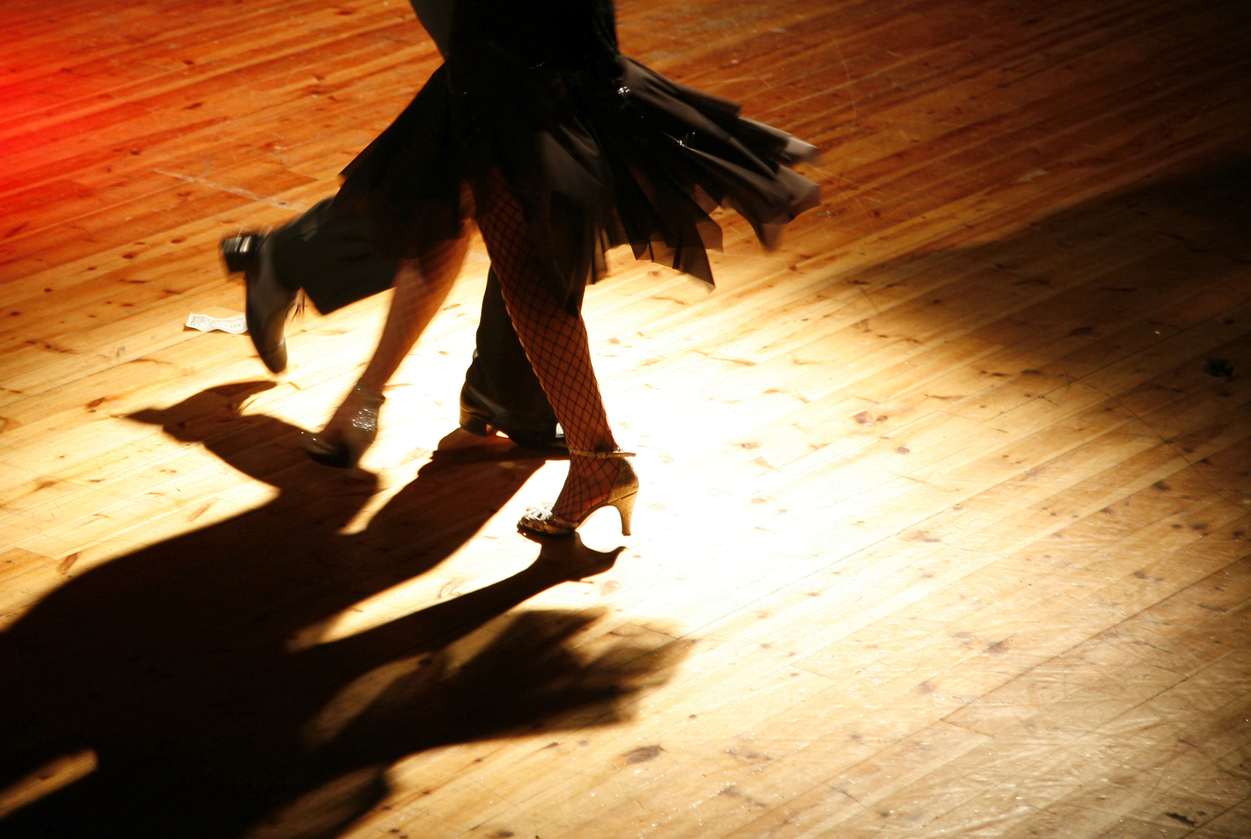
(421, 286)
(557, 346)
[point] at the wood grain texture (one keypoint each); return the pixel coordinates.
(946, 509)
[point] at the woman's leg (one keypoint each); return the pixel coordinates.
(556, 344)
(421, 286)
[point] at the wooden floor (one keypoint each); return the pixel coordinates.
(945, 526)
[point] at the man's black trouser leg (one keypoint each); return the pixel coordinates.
(330, 256)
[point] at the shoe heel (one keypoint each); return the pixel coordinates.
(475, 424)
(336, 454)
(240, 252)
(625, 507)
(341, 444)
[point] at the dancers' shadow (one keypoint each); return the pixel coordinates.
(187, 670)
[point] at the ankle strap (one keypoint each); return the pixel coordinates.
(601, 455)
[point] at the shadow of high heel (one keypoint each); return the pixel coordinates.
(575, 559)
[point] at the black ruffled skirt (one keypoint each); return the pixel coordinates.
(596, 159)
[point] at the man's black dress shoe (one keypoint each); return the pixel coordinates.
(268, 302)
(479, 415)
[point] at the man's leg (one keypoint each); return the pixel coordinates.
(327, 254)
(331, 256)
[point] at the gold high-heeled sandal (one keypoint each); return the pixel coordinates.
(625, 491)
(342, 448)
